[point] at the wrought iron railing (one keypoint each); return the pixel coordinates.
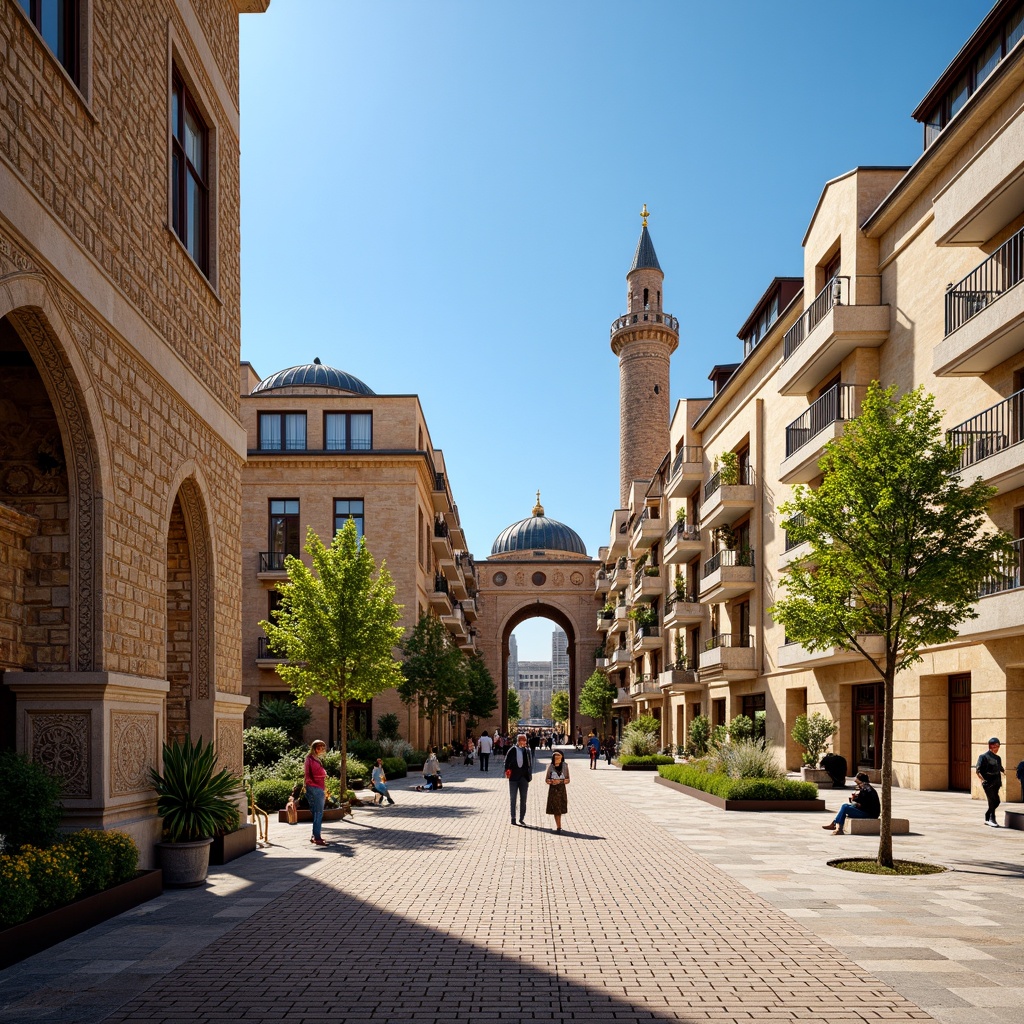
(835, 291)
(273, 561)
(839, 403)
(797, 520)
(729, 640)
(646, 632)
(647, 514)
(985, 283)
(692, 453)
(744, 476)
(728, 557)
(440, 584)
(998, 427)
(653, 571)
(644, 316)
(264, 650)
(439, 481)
(682, 665)
(1007, 573)
(683, 532)
(680, 599)
(440, 528)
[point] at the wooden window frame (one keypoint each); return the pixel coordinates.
(186, 171)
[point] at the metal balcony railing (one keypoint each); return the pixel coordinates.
(648, 513)
(265, 651)
(728, 558)
(693, 453)
(797, 520)
(985, 283)
(675, 599)
(653, 571)
(440, 528)
(646, 631)
(998, 427)
(1007, 573)
(683, 532)
(273, 561)
(644, 316)
(440, 584)
(746, 476)
(729, 640)
(839, 403)
(835, 291)
(439, 481)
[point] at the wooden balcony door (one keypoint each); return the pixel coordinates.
(960, 765)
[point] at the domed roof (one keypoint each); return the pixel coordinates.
(538, 533)
(313, 374)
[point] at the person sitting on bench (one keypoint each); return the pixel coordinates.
(863, 803)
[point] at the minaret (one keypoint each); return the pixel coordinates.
(643, 339)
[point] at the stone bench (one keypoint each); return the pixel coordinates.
(872, 826)
(1013, 819)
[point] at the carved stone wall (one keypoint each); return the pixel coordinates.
(61, 741)
(133, 751)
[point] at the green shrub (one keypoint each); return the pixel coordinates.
(415, 758)
(192, 797)
(92, 860)
(291, 766)
(741, 728)
(700, 734)
(738, 789)
(30, 809)
(396, 768)
(747, 759)
(123, 854)
(637, 743)
(387, 726)
(54, 875)
(272, 794)
(366, 750)
(17, 893)
(283, 714)
(630, 759)
(264, 745)
(395, 748)
(813, 733)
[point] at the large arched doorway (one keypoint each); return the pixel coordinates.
(534, 706)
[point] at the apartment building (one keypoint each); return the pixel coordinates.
(912, 276)
(324, 448)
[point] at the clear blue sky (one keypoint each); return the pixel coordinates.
(443, 198)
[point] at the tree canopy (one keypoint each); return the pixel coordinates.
(434, 674)
(479, 696)
(560, 706)
(897, 550)
(597, 697)
(337, 625)
(515, 710)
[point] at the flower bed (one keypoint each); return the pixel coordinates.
(741, 794)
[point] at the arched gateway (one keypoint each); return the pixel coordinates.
(538, 567)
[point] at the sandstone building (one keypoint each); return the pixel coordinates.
(122, 449)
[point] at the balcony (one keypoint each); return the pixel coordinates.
(621, 658)
(620, 576)
(601, 581)
(984, 315)
(793, 655)
(647, 529)
(654, 319)
(271, 564)
(468, 567)
(456, 582)
(647, 584)
(604, 620)
(264, 653)
(647, 638)
(684, 611)
(682, 542)
(1001, 599)
(439, 597)
(455, 622)
(990, 444)
(687, 472)
(680, 677)
(727, 574)
(441, 543)
(603, 663)
(469, 609)
(728, 657)
(618, 542)
(439, 495)
(828, 331)
(645, 684)
(724, 503)
(620, 619)
(795, 550)
(808, 434)
(455, 534)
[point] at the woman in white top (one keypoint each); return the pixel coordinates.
(431, 771)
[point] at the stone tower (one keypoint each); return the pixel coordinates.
(643, 339)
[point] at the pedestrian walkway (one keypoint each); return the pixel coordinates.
(438, 910)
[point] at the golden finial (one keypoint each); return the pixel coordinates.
(538, 509)
(644, 214)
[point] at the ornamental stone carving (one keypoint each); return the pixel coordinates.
(576, 579)
(133, 751)
(60, 742)
(229, 745)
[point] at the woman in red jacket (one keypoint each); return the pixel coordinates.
(316, 788)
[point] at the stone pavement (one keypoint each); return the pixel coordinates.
(437, 910)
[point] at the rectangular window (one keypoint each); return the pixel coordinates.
(282, 431)
(348, 431)
(1014, 28)
(754, 709)
(987, 60)
(57, 22)
(284, 527)
(190, 197)
(958, 97)
(348, 508)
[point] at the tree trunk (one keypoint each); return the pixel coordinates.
(885, 825)
(344, 747)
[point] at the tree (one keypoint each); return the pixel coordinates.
(813, 733)
(479, 696)
(560, 706)
(337, 626)
(434, 670)
(515, 710)
(896, 549)
(597, 697)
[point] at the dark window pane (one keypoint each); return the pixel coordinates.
(987, 60)
(1014, 28)
(193, 219)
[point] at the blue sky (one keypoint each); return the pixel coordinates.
(443, 198)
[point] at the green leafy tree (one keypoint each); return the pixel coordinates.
(813, 733)
(897, 549)
(434, 671)
(337, 626)
(387, 726)
(515, 710)
(479, 696)
(560, 706)
(597, 697)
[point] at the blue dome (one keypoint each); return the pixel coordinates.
(538, 533)
(313, 374)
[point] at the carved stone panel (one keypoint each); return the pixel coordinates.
(133, 751)
(61, 742)
(229, 745)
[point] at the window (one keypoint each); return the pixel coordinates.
(57, 22)
(987, 61)
(348, 508)
(284, 527)
(754, 709)
(190, 194)
(282, 430)
(348, 431)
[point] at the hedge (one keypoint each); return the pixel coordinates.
(657, 759)
(395, 768)
(739, 789)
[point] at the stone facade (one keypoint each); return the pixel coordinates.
(123, 449)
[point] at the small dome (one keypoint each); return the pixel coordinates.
(538, 533)
(313, 374)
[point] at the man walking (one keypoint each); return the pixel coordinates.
(484, 748)
(518, 771)
(990, 770)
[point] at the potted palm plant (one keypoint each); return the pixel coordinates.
(194, 802)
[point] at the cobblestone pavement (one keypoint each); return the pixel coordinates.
(437, 909)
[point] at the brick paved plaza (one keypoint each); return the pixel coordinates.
(438, 910)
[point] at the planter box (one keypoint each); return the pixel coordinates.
(235, 844)
(331, 814)
(38, 933)
(818, 776)
(743, 805)
(638, 767)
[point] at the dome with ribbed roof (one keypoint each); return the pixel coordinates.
(313, 375)
(538, 534)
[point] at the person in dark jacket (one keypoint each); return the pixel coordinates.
(864, 803)
(519, 771)
(835, 765)
(990, 770)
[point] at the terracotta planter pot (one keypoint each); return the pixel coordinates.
(185, 865)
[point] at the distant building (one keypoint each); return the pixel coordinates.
(559, 660)
(534, 687)
(513, 663)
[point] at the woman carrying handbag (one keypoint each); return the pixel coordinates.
(557, 778)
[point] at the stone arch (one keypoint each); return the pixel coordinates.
(28, 305)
